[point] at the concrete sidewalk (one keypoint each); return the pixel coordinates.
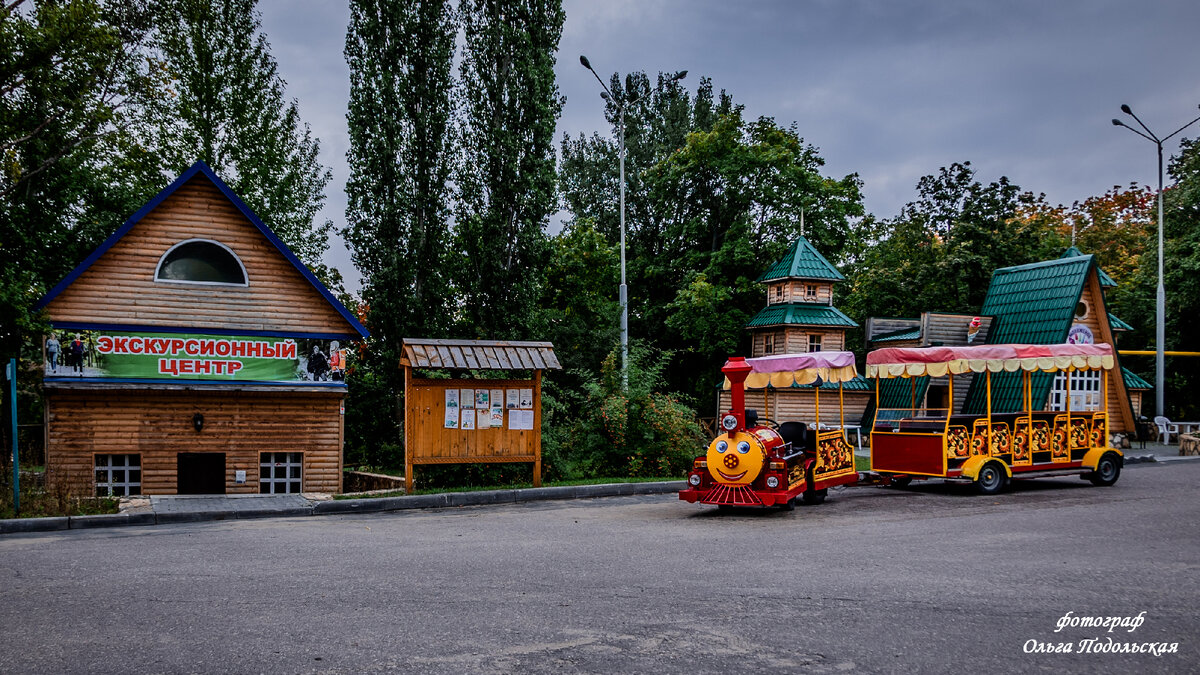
(196, 508)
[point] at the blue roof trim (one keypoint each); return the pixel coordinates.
(189, 383)
(201, 168)
(137, 328)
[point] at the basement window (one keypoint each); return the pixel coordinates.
(280, 473)
(201, 261)
(118, 475)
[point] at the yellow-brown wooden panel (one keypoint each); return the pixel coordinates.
(158, 425)
(119, 288)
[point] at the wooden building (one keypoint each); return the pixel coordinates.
(1050, 302)
(197, 355)
(800, 317)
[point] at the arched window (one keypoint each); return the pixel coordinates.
(201, 261)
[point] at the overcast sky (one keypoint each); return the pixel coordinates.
(887, 89)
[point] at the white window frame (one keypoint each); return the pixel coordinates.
(106, 485)
(810, 290)
(292, 465)
(1086, 391)
(815, 339)
(163, 257)
(768, 343)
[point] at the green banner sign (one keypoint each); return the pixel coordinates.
(175, 356)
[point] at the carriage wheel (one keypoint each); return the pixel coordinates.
(991, 479)
(814, 497)
(1108, 470)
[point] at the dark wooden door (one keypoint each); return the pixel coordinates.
(201, 473)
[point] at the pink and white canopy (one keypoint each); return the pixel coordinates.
(783, 370)
(937, 361)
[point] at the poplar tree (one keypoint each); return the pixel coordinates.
(400, 156)
(227, 107)
(506, 179)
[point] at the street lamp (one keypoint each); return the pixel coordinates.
(624, 292)
(1160, 318)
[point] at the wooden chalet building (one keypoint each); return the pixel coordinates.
(1050, 302)
(198, 355)
(800, 317)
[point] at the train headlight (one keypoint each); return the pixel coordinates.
(694, 479)
(729, 423)
(772, 482)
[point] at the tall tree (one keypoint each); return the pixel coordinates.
(506, 179)
(228, 108)
(70, 72)
(400, 56)
(400, 157)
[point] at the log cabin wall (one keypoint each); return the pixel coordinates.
(799, 405)
(157, 425)
(119, 288)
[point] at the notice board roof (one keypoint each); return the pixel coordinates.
(479, 355)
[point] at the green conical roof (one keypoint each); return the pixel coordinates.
(802, 262)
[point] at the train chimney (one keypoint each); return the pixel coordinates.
(736, 369)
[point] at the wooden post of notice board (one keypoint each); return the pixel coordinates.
(469, 420)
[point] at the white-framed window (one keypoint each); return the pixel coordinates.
(201, 261)
(118, 475)
(810, 291)
(814, 342)
(779, 293)
(1085, 391)
(769, 343)
(280, 472)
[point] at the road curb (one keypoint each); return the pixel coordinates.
(342, 506)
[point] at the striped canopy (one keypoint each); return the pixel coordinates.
(784, 370)
(938, 361)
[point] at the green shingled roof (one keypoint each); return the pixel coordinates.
(802, 262)
(1105, 280)
(1133, 381)
(1032, 304)
(913, 333)
(800, 314)
(1118, 324)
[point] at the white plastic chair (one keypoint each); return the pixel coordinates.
(1165, 429)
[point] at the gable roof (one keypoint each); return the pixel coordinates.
(802, 262)
(913, 333)
(800, 314)
(202, 169)
(1105, 280)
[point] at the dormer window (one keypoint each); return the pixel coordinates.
(201, 261)
(779, 293)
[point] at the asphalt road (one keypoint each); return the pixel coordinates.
(874, 580)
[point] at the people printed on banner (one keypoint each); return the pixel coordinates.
(337, 362)
(77, 350)
(53, 349)
(318, 364)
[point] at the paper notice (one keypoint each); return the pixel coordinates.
(526, 398)
(466, 398)
(468, 419)
(512, 399)
(481, 398)
(483, 419)
(498, 418)
(497, 398)
(452, 417)
(520, 419)
(451, 398)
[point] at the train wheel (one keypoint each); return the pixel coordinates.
(789, 505)
(1108, 470)
(814, 497)
(991, 479)
(900, 481)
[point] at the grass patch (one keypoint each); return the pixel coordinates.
(513, 486)
(39, 503)
(862, 463)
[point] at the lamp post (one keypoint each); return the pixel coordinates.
(1161, 304)
(623, 295)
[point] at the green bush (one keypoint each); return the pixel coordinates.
(639, 431)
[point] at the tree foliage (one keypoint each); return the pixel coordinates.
(509, 105)
(227, 106)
